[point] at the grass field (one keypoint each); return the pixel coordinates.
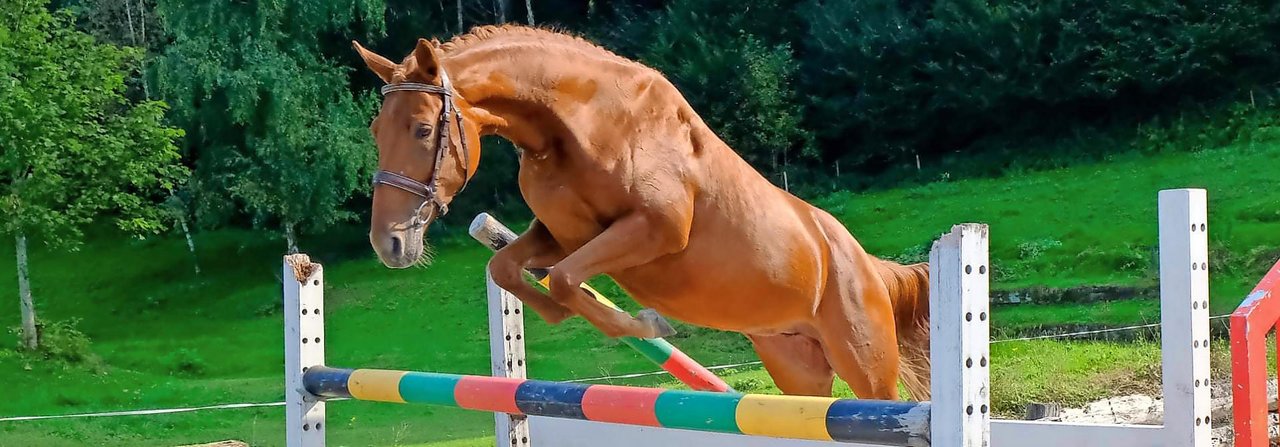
(166, 337)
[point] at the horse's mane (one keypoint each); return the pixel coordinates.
(485, 33)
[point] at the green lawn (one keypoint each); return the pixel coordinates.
(167, 337)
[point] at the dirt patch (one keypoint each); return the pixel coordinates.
(1147, 409)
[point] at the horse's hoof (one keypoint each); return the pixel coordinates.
(661, 327)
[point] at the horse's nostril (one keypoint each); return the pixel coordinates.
(395, 245)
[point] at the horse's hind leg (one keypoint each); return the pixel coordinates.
(796, 363)
(859, 337)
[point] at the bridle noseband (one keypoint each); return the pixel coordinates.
(430, 191)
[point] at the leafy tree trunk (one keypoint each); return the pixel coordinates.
(502, 10)
(191, 243)
(460, 29)
(528, 9)
(291, 236)
(29, 336)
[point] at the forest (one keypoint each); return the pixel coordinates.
(819, 95)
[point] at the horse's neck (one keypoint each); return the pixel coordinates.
(534, 93)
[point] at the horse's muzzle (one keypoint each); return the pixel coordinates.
(398, 248)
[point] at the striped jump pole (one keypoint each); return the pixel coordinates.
(493, 234)
(817, 418)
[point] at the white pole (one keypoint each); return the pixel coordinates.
(303, 348)
(1184, 315)
(506, 349)
(959, 340)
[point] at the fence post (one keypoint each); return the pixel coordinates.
(959, 341)
(303, 348)
(506, 349)
(1184, 315)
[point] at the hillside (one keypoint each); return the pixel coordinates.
(166, 337)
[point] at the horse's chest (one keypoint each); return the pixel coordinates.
(571, 206)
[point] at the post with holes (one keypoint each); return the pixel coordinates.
(506, 348)
(303, 348)
(960, 337)
(1184, 315)
(1250, 324)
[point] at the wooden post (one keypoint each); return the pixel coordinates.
(506, 349)
(303, 348)
(959, 338)
(1184, 313)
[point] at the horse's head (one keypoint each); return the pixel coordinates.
(428, 147)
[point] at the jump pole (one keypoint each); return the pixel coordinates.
(491, 233)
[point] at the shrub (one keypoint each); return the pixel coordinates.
(186, 362)
(62, 341)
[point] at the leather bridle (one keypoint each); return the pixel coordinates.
(429, 191)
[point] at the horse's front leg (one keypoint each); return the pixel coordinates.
(631, 241)
(534, 247)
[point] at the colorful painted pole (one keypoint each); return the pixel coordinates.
(493, 234)
(795, 417)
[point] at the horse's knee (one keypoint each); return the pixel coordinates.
(506, 273)
(561, 283)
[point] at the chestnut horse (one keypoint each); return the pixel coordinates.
(626, 180)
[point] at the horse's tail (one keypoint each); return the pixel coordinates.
(909, 291)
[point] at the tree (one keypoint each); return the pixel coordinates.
(275, 129)
(736, 71)
(72, 147)
(133, 23)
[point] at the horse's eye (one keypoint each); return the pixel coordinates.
(422, 131)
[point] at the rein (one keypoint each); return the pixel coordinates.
(429, 191)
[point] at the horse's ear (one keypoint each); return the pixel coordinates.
(427, 62)
(378, 64)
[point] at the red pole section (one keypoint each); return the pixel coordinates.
(1250, 323)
